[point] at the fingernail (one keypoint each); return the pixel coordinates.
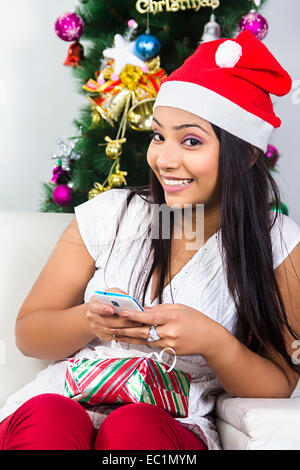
(124, 314)
(110, 330)
(108, 310)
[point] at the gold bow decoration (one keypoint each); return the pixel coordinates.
(131, 96)
(133, 82)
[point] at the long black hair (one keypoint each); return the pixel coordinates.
(246, 191)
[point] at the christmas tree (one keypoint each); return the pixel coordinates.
(131, 46)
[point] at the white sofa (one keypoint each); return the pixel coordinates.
(26, 241)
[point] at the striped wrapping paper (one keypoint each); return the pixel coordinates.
(128, 380)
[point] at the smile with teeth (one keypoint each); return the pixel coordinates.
(171, 182)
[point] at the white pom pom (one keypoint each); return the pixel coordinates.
(228, 54)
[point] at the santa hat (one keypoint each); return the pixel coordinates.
(227, 82)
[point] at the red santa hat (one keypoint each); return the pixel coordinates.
(227, 82)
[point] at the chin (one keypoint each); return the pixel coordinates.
(175, 204)
(181, 202)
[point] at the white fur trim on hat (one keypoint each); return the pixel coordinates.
(216, 109)
(228, 54)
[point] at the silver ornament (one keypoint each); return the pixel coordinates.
(211, 31)
(66, 153)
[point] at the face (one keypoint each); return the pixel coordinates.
(184, 146)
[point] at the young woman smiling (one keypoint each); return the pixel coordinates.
(229, 307)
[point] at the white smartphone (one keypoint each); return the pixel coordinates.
(119, 302)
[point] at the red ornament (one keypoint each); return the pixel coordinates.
(75, 54)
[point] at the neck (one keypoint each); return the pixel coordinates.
(194, 224)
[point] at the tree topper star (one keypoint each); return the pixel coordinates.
(123, 54)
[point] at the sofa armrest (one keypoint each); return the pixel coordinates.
(258, 423)
(26, 242)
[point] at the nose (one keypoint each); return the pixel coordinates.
(169, 156)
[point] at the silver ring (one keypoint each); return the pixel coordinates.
(153, 335)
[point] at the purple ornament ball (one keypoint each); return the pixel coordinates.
(255, 23)
(69, 26)
(272, 155)
(62, 195)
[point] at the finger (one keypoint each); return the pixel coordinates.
(104, 336)
(149, 317)
(94, 300)
(101, 309)
(138, 333)
(116, 322)
(121, 323)
(123, 339)
(111, 321)
(99, 331)
(126, 339)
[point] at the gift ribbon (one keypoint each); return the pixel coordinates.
(159, 357)
(115, 344)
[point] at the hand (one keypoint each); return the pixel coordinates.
(180, 327)
(100, 319)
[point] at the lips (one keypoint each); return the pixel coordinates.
(176, 188)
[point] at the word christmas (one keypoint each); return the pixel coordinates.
(143, 6)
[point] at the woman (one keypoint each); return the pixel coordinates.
(220, 290)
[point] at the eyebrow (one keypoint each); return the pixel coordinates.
(182, 126)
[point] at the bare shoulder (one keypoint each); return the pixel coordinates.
(71, 232)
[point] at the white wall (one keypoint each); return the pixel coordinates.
(38, 99)
(283, 41)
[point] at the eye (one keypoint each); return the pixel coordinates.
(192, 139)
(153, 135)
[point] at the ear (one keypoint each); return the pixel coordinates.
(254, 156)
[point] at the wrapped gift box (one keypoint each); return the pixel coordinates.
(128, 380)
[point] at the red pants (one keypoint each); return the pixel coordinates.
(54, 422)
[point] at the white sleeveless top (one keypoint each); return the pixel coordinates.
(201, 284)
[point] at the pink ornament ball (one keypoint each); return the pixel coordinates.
(132, 24)
(62, 195)
(69, 26)
(272, 155)
(255, 23)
